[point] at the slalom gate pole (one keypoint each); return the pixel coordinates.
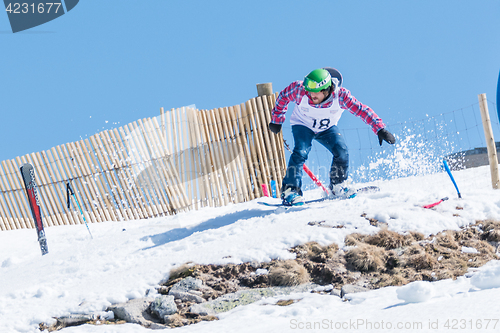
(435, 204)
(498, 97)
(265, 190)
(447, 168)
(273, 188)
(69, 191)
(309, 172)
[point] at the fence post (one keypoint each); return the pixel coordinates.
(490, 141)
(264, 89)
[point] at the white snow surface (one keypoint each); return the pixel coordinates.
(415, 292)
(124, 260)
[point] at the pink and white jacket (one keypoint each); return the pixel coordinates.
(319, 117)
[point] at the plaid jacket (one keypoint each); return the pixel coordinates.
(295, 91)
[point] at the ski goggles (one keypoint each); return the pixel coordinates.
(314, 86)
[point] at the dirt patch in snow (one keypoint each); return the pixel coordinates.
(386, 258)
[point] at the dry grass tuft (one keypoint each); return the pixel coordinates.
(447, 239)
(316, 252)
(287, 302)
(413, 249)
(417, 236)
(453, 267)
(388, 240)
(491, 231)
(392, 280)
(366, 258)
(483, 247)
(182, 271)
(287, 273)
(354, 239)
(421, 261)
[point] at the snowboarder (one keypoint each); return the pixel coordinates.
(320, 100)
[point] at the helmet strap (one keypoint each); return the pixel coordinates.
(329, 90)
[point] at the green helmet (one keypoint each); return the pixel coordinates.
(317, 80)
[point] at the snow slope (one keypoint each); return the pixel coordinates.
(126, 259)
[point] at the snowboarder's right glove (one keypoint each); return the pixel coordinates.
(385, 135)
(275, 128)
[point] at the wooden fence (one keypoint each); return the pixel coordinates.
(182, 160)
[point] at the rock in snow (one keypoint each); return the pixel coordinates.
(244, 297)
(187, 290)
(351, 289)
(135, 311)
(163, 306)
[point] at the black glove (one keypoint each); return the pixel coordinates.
(385, 135)
(275, 128)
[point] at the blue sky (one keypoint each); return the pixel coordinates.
(107, 63)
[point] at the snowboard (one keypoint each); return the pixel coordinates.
(28, 175)
(366, 189)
